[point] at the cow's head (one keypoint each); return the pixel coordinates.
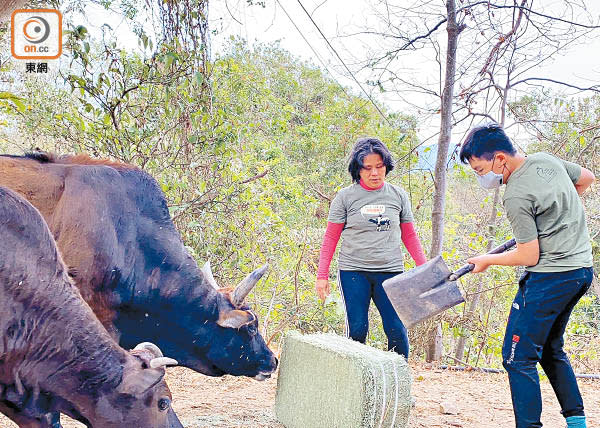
(142, 399)
(226, 340)
(205, 328)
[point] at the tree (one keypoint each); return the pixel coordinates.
(437, 214)
(247, 179)
(504, 41)
(8, 6)
(504, 71)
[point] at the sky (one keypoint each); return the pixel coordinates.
(276, 23)
(288, 23)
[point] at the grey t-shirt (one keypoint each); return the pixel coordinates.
(541, 203)
(371, 236)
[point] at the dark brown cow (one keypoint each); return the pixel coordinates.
(112, 226)
(55, 356)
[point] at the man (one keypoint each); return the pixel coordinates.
(544, 209)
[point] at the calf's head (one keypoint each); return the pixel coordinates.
(143, 398)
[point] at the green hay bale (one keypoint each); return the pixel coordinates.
(329, 381)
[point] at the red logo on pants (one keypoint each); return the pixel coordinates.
(516, 338)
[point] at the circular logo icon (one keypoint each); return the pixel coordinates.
(36, 29)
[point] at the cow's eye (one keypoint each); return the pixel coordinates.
(163, 404)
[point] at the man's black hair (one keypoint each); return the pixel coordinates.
(363, 148)
(484, 141)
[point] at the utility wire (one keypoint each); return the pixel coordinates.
(321, 60)
(312, 49)
(342, 61)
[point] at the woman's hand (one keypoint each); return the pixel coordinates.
(322, 288)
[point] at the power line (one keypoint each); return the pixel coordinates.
(319, 57)
(342, 61)
(312, 49)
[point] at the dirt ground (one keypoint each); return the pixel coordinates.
(477, 400)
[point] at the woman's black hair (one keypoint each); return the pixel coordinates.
(484, 141)
(365, 147)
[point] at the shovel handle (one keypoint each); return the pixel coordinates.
(470, 266)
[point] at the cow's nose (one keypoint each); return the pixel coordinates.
(271, 363)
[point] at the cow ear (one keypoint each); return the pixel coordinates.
(234, 318)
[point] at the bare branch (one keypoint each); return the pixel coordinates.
(256, 177)
(503, 39)
(424, 36)
(321, 194)
(529, 10)
(595, 88)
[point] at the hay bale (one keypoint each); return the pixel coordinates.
(329, 381)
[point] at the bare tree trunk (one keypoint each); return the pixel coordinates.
(460, 345)
(434, 351)
(596, 286)
(7, 7)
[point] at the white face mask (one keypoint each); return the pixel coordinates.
(491, 180)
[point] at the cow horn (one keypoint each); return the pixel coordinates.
(155, 350)
(244, 287)
(156, 363)
(207, 271)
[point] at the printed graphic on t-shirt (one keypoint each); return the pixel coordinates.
(546, 174)
(383, 223)
(372, 210)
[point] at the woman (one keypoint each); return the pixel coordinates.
(372, 216)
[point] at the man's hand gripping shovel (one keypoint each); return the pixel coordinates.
(429, 289)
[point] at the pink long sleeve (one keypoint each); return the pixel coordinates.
(412, 243)
(330, 240)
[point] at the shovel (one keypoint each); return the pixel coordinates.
(429, 289)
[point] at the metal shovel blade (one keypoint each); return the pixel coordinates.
(423, 292)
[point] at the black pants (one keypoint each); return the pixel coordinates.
(534, 333)
(358, 288)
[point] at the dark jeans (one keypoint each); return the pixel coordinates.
(534, 333)
(358, 288)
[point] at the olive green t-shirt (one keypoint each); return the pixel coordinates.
(541, 202)
(371, 238)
